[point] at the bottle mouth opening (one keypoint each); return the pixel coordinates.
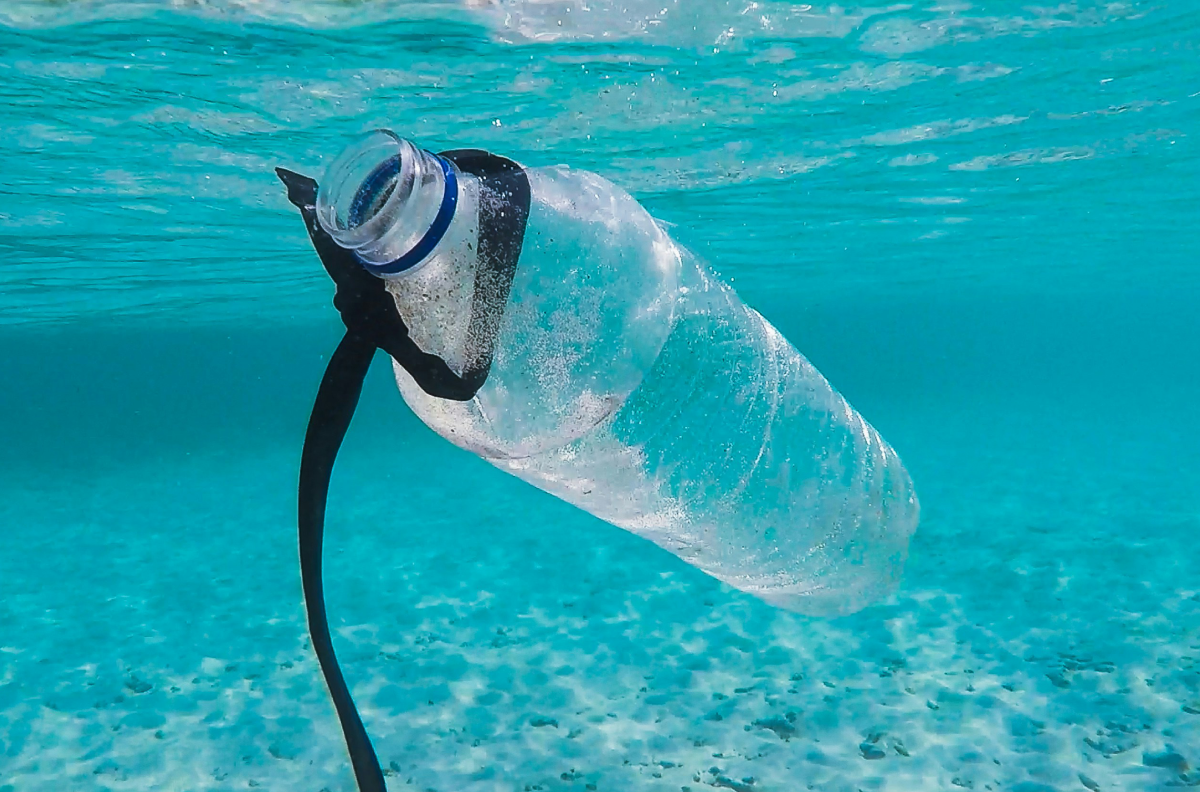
(387, 201)
(374, 192)
(365, 188)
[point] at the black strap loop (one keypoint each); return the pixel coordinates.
(369, 312)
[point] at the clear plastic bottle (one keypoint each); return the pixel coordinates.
(627, 379)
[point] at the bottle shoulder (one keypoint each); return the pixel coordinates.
(581, 194)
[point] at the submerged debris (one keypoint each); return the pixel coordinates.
(1167, 759)
(784, 727)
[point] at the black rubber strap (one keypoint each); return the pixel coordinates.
(336, 400)
(503, 214)
(369, 312)
(372, 322)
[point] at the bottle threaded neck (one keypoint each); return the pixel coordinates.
(384, 198)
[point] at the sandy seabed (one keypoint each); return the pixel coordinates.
(1046, 635)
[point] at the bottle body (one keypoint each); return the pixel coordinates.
(630, 381)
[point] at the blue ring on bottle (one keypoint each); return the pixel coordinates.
(437, 229)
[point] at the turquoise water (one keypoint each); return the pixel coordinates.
(975, 218)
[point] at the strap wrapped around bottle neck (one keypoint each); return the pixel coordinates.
(372, 322)
(369, 312)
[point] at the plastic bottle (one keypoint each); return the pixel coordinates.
(627, 379)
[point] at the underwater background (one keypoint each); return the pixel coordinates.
(977, 219)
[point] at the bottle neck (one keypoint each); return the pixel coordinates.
(388, 201)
